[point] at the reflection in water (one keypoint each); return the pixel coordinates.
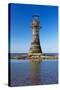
(35, 73)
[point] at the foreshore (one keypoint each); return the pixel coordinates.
(33, 56)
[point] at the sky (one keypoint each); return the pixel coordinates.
(21, 31)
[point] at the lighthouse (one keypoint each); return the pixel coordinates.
(35, 44)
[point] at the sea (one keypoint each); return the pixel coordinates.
(31, 72)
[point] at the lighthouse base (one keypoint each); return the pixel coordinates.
(34, 55)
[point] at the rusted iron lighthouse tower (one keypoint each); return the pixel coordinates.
(35, 45)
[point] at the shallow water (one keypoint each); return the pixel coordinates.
(26, 72)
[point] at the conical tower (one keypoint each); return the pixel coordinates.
(35, 45)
